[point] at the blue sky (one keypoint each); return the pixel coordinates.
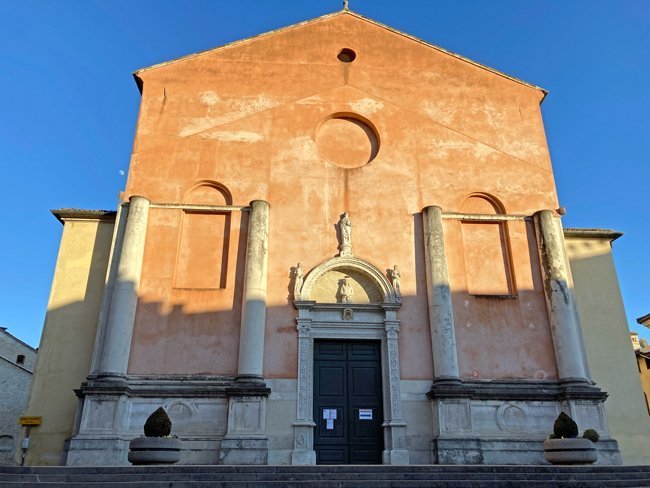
(68, 106)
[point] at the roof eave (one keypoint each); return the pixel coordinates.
(64, 214)
(609, 234)
(643, 320)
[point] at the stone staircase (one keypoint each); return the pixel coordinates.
(325, 476)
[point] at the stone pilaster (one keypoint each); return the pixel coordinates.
(394, 425)
(114, 353)
(246, 441)
(562, 311)
(441, 315)
(303, 439)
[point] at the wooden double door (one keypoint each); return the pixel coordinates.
(348, 402)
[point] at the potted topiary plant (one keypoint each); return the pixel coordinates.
(592, 435)
(565, 447)
(156, 446)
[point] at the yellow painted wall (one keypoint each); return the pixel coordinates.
(644, 374)
(607, 342)
(68, 336)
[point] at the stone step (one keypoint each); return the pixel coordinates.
(341, 484)
(411, 476)
(346, 468)
(326, 476)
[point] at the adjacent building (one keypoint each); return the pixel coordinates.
(642, 353)
(16, 366)
(337, 244)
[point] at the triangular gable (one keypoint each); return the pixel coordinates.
(329, 16)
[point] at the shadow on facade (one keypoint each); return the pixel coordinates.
(497, 338)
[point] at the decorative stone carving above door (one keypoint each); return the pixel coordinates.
(327, 283)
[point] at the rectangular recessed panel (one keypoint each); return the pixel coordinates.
(363, 350)
(364, 381)
(330, 350)
(331, 428)
(362, 455)
(364, 428)
(202, 255)
(332, 455)
(486, 259)
(331, 381)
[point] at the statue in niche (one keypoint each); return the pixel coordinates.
(345, 290)
(297, 284)
(395, 276)
(345, 228)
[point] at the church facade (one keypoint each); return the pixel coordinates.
(337, 244)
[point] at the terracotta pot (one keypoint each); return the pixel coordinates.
(154, 450)
(570, 451)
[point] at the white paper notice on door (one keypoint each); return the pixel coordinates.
(329, 413)
(365, 414)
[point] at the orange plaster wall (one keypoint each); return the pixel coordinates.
(182, 330)
(246, 117)
(502, 337)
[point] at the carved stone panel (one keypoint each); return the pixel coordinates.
(330, 288)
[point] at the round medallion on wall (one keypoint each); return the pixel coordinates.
(347, 140)
(512, 417)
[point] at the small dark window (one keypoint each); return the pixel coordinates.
(20, 359)
(347, 55)
(647, 363)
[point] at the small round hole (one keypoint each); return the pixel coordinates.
(347, 55)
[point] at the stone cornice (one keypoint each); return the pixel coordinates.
(64, 214)
(609, 234)
(156, 386)
(511, 390)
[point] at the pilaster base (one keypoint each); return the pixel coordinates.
(244, 451)
(303, 457)
(457, 451)
(97, 451)
(395, 441)
(303, 437)
(246, 442)
(506, 421)
(396, 456)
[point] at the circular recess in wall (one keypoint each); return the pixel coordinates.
(347, 140)
(346, 55)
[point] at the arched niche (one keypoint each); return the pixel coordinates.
(204, 239)
(370, 285)
(482, 203)
(208, 192)
(486, 247)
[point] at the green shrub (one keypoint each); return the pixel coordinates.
(158, 424)
(565, 427)
(592, 435)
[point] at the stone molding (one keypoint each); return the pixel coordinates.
(511, 390)
(153, 386)
(365, 322)
(347, 262)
